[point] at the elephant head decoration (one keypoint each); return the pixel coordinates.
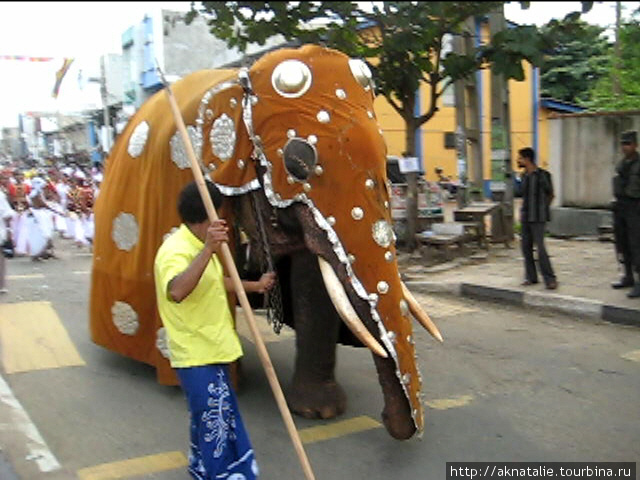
(294, 146)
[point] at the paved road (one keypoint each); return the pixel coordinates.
(507, 385)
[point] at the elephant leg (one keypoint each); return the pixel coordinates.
(314, 392)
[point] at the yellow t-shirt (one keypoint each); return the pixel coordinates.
(199, 329)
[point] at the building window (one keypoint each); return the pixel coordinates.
(449, 140)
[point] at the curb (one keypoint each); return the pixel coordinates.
(563, 304)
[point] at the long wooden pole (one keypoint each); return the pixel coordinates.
(239, 289)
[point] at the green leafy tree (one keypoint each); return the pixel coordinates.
(577, 60)
(603, 96)
(406, 38)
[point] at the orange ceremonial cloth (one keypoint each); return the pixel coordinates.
(136, 208)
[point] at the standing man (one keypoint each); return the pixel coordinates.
(537, 194)
(626, 213)
(191, 294)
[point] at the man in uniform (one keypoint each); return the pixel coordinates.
(626, 213)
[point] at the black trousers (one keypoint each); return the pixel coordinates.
(533, 234)
(626, 230)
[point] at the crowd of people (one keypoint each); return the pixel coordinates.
(44, 203)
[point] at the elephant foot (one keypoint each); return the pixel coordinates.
(317, 400)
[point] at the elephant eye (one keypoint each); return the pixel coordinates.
(300, 158)
(362, 73)
(291, 78)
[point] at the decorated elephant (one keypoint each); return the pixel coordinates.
(294, 146)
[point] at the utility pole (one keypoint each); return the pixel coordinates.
(468, 123)
(617, 90)
(501, 169)
(105, 104)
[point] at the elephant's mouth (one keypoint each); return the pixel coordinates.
(348, 314)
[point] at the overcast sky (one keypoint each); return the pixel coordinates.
(87, 30)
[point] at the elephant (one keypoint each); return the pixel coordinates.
(294, 146)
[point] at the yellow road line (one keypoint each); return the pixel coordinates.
(134, 467)
(447, 403)
(33, 338)
(25, 277)
(634, 356)
(337, 429)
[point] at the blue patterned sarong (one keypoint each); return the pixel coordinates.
(220, 446)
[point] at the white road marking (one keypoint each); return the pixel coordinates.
(22, 424)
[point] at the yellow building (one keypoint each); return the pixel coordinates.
(435, 140)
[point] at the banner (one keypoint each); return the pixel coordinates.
(60, 75)
(26, 58)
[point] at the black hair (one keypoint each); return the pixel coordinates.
(528, 153)
(190, 205)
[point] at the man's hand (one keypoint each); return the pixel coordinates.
(216, 234)
(266, 282)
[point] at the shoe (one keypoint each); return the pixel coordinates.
(635, 293)
(526, 283)
(552, 285)
(624, 282)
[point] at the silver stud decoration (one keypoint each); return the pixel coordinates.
(241, 164)
(361, 72)
(312, 139)
(323, 116)
(254, 100)
(369, 114)
(161, 342)
(233, 102)
(391, 335)
(125, 318)
(138, 139)
(291, 79)
(373, 297)
(208, 113)
(318, 170)
(404, 307)
(341, 94)
(124, 231)
(291, 133)
(290, 180)
(357, 213)
(406, 378)
(410, 340)
(331, 221)
(280, 152)
(306, 187)
(388, 256)
(179, 152)
(369, 184)
(351, 258)
(223, 137)
(382, 233)
(383, 287)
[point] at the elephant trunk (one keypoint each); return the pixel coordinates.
(396, 415)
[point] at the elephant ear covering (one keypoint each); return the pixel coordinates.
(310, 118)
(145, 171)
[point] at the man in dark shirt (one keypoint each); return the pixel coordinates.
(537, 193)
(626, 213)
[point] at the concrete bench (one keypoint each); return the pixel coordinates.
(444, 235)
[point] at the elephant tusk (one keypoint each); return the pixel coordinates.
(419, 314)
(345, 309)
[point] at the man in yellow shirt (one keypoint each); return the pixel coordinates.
(191, 296)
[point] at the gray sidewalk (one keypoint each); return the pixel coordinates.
(585, 269)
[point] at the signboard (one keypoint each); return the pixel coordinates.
(409, 165)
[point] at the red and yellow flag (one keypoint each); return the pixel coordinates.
(60, 75)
